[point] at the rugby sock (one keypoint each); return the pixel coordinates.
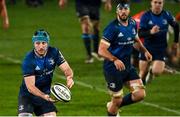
(87, 42)
(110, 114)
(95, 38)
(144, 81)
(127, 100)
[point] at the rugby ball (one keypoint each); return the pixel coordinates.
(61, 92)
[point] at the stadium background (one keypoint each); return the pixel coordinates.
(89, 94)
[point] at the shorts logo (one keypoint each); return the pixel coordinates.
(21, 107)
(112, 85)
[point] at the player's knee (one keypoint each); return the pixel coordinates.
(157, 72)
(139, 95)
(25, 115)
(86, 24)
(138, 91)
(116, 98)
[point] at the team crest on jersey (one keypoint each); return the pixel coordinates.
(150, 22)
(51, 61)
(37, 68)
(164, 21)
(120, 34)
(133, 31)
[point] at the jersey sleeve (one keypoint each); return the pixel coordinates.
(109, 33)
(171, 20)
(59, 57)
(27, 67)
(143, 22)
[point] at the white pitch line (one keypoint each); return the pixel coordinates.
(96, 88)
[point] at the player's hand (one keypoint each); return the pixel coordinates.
(148, 56)
(70, 82)
(155, 29)
(48, 98)
(119, 65)
(108, 6)
(62, 3)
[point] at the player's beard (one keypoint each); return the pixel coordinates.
(123, 17)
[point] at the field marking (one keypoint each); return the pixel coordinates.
(96, 88)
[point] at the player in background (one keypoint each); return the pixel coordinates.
(88, 12)
(4, 14)
(135, 53)
(153, 28)
(38, 67)
(116, 47)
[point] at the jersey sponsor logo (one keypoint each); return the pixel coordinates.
(126, 43)
(51, 61)
(21, 107)
(150, 22)
(120, 34)
(37, 68)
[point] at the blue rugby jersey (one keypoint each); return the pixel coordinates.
(121, 39)
(42, 68)
(158, 41)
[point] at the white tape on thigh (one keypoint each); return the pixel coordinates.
(116, 94)
(136, 86)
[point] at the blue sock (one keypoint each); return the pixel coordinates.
(87, 42)
(127, 100)
(95, 42)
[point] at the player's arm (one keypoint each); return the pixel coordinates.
(103, 51)
(66, 69)
(4, 14)
(62, 3)
(144, 31)
(30, 84)
(140, 47)
(108, 5)
(175, 26)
